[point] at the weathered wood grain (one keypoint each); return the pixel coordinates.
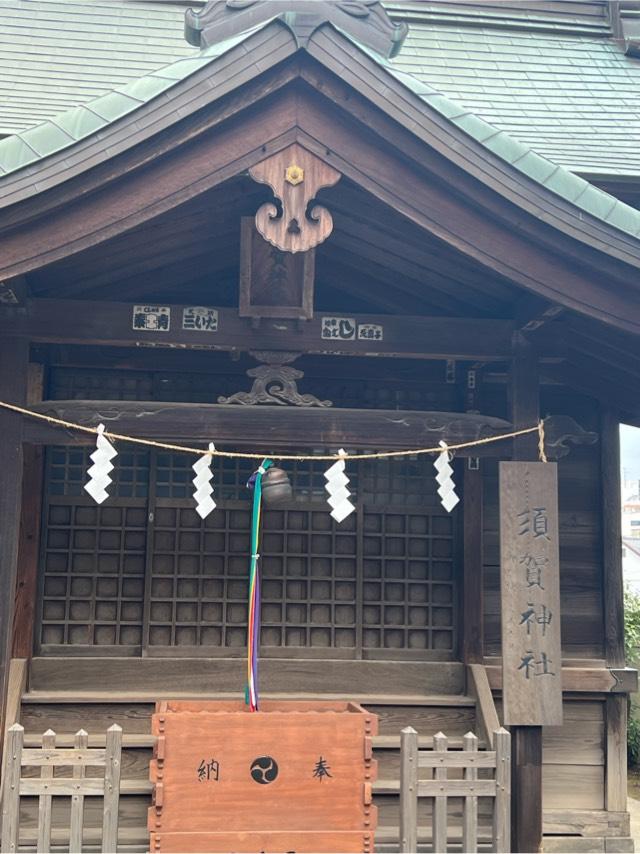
(109, 324)
(530, 591)
(616, 757)
(472, 589)
(611, 538)
(225, 675)
(14, 359)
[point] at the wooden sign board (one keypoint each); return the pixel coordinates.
(273, 283)
(530, 593)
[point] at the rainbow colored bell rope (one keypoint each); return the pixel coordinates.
(253, 625)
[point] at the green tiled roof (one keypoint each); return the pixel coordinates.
(63, 131)
(56, 54)
(574, 100)
(80, 122)
(523, 158)
(548, 74)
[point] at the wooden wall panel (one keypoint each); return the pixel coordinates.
(574, 757)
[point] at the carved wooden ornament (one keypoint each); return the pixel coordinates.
(295, 176)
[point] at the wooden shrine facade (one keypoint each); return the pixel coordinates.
(437, 292)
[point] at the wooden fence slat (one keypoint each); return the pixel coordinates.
(470, 788)
(112, 788)
(457, 759)
(502, 807)
(470, 808)
(35, 756)
(90, 787)
(11, 793)
(44, 801)
(77, 800)
(444, 789)
(408, 790)
(440, 745)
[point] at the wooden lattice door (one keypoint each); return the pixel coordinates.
(144, 571)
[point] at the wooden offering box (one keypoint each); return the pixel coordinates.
(294, 777)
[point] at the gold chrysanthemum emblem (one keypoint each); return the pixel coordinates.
(294, 175)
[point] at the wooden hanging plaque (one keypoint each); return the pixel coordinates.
(295, 776)
(530, 594)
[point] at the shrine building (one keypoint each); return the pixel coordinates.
(295, 230)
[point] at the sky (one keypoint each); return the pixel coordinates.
(630, 452)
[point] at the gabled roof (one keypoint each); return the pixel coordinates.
(446, 171)
(62, 132)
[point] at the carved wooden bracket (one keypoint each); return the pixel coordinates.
(274, 383)
(560, 431)
(295, 176)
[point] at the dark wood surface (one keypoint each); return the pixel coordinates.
(14, 358)
(273, 283)
(611, 539)
(267, 426)
(110, 324)
(28, 553)
(473, 586)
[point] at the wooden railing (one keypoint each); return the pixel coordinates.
(47, 786)
(468, 761)
(486, 714)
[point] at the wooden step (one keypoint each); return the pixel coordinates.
(440, 700)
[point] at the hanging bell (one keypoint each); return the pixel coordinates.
(276, 487)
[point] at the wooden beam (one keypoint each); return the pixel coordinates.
(266, 427)
(583, 680)
(111, 324)
(14, 358)
(612, 540)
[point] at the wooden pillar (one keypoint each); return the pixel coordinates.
(26, 592)
(472, 592)
(613, 584)
(14, 358)
(612, 539)
(526, 741)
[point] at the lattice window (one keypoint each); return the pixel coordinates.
(408, 581)
(93, 557)
(199, 587)
(145, 570)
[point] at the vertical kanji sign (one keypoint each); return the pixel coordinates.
(530, 592)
